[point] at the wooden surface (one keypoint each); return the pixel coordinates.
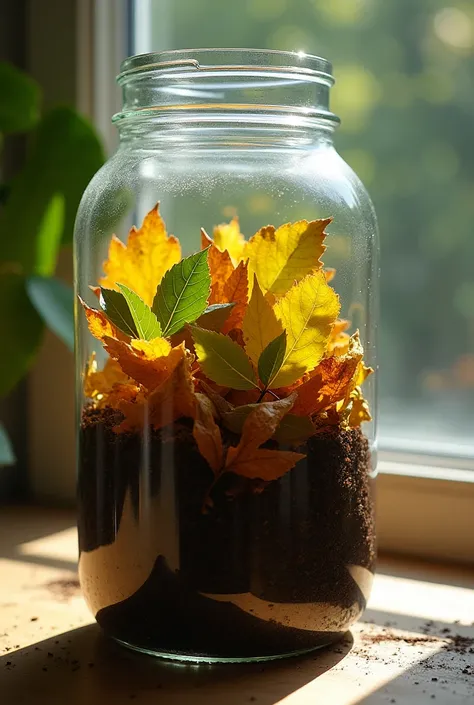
(415, 644)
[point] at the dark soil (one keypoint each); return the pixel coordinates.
(286, 550)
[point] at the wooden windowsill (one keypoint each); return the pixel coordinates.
(415, 643)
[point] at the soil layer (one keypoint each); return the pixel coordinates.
(265, 571)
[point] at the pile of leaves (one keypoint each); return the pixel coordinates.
(242, 335)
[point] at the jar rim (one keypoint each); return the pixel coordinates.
(227, 59)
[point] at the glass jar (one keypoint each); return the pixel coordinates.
(226, 447)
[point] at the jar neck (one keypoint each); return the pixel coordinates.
(245, 97)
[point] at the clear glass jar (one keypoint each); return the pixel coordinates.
(202, 535)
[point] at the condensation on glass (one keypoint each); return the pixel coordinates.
(258, 572)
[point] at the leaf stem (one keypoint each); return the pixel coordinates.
(264, 391)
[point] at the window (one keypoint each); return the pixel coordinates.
(404, 77)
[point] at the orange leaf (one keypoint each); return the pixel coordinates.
(227, 236)
(212, 390)
(99, 383)
(329, 273)
(333, 380)
(265, 463)
(220, 267)
(145, 364)
(173, 399)
(207, 433)
(360, 409)
(236, 290)
(142, 262)
(338, 343)
(99, 325)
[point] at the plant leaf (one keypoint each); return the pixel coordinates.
(99, 325)
(116, 308)
(271, 359)
(182, 295)
(294, 429)
(20, 104)
(265, 464)
(222, 360)
(234, 419)
(147, 362)
(220, 267)
(281, 257)
(145, 320)
(236, 290)
(227, 236)
(207, 433)
(142, 262)
(307, 313)
(7, 456)
(215, 316)
(54, 301)
(49, 235)
(66, 154)
(21, 330)
(260, 325)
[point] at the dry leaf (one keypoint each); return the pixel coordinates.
(236, 291)
(220, 267)
(227, 236)
(333, 380)
(360, 411)
(260, 325)
(98, 383)
(329, 273)
(142, 262)
(265, 463)
(148, 364)
(207, 433)
(281, 257)
(100, 326)
(220, 403)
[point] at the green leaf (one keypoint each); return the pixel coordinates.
(182, 295)
(48, 239)
(222, 360)
(7, 457)
(65, 155)
(294, 429)
(145, 320)
(116, 308)
(54, 301)
(215, 316)
(21, 330)
(271, 359)
(20, 103)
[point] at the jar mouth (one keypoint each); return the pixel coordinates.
(246, 61)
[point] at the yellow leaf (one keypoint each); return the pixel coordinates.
(172, 399)
(360, 411)
(148, 364)
(99, 383)
(260, 325)
(99, 325)
(220, 267)
(236, 291)
(227, 236)
(142, 262)
(333, 380)
(307, 313)
(281, 257)
(207, 433)
(338, 343)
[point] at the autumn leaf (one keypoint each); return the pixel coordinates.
(360, 411)
(146, 323)
(222, 360)
(142, 262)
(294, 429)
(116, 308)
(329, 273)
(236, 290)
(183, 293)
(220, 403)
(220, 267)
(338, 343)
(333, 380)
(265, 464)
(207, 433)
(227, 236)
(98, 383)
(172, 399)
(260, 325)
(271, 360)
(99, 325)
(281, 257)
(307, 312)
(147, 362)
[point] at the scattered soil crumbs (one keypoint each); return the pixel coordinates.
(65, 588)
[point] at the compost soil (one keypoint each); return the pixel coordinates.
(295, 548)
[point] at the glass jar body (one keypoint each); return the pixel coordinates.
(172, 562)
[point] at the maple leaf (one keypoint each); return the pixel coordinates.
(172, 399)
(281, 257)
(227, 236)
(307, 312)
(147, 362)
(220, 267)
(236, 291)
(260, 325)
(207, 433)
(333, 380)
(142, 262)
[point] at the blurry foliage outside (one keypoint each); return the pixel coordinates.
(404, 89)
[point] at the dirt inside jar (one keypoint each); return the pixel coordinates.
(265, 571)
